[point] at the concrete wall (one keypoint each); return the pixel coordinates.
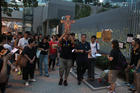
(52, 10)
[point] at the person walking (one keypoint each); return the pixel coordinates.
(30, 54)
(66, 44)
(53, 52)
(44, 47)
(116, 59)
(82, 50)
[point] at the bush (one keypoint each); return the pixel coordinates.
(102, 62)
(102, 10)
(82, 11)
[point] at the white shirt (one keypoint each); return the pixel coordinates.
(94, 47)
(7, 46)
(23, 42)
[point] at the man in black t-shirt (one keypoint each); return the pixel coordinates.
(82, 50)
(66, 44)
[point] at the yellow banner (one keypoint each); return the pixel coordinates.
(99, 34)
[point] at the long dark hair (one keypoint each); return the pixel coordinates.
(115, 44)
(138, 42)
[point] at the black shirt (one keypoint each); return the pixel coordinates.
(115, 54)
(45, 46)
(66, 49)
(135, 56)
(30, 52)
(85, 47)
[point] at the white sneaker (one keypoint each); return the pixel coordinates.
(26, 83)
(32, 80)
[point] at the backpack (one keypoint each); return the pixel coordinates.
(121, 63)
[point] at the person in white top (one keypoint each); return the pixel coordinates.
(95, 47)
(23, 41)
(92, 57)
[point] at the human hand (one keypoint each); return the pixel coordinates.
(82, 51)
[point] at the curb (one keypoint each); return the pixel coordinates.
(89, 85)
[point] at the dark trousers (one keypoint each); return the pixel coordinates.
(91, 67)
(3, 87)
(81, 68)
(52, 60)
(36, 63)
(28, 71)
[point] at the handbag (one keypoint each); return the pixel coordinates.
(38, 53)
(22, 61)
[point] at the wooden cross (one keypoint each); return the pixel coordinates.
(67, 23)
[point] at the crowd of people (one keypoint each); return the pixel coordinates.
(25, 53)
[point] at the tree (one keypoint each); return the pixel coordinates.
(8, 7)
(79, 1)
(96, 2)
(88, 1)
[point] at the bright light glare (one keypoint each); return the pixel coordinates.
(101, 1)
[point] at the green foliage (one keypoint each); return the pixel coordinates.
(107, 5)
(102, 62)
(8, 7)
(102, 10)
(30, 3)
(82, 11)
(78, 1)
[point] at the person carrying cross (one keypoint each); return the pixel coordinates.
(66, 44)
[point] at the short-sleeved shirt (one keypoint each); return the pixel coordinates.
(135, 56)
(45, 46)
(83, 46)
(30, 52)
(66, 49)
(94, 48)
(23, 42)
(53, 47)
(115, 54)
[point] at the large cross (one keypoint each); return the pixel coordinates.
(67, 23)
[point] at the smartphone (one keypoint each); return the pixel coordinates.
(73, 50)
(14, 50)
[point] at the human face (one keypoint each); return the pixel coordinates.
(137, 46)
(93, 40)
(36, 37)
(112, 46)
(26, 35)
(40, 36)
(67, 36)
(133, 43)
(54, 38)
(32, 44)
(45, 41)
(83, 38)
(15, 36)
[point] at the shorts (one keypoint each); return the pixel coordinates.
(113, 76)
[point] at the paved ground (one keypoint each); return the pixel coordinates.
(50, 85)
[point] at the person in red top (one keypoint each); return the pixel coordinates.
(53, 52)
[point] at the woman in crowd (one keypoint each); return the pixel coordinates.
(30, 53)
(113, 58)
(53, 52)
(36, 38)
(136, 66)
(44, 47)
